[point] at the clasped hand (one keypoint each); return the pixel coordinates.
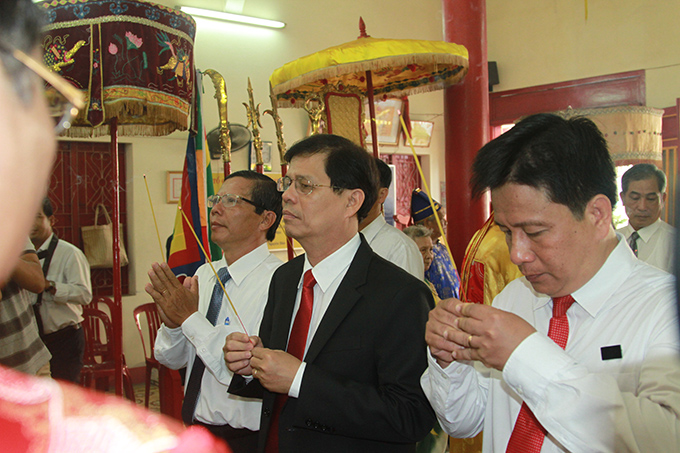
(246, 356)
(175, 301)
(463, 331)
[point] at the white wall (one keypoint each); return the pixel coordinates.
(536, 42)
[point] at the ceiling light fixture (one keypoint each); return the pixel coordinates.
(229, 17)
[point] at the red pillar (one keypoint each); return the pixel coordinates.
(466, 122)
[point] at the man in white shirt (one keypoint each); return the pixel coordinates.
(59, 308)
(245, 214)
(341, 347)
(581, 353)
(644, 196)
(386, 240)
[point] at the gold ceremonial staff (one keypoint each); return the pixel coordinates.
(225, 137)
(253, 113)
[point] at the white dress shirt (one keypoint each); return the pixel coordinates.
(585, 403)
(393, 245)
(247, 288)
(655, 245)
(328, 275)
(70, 272)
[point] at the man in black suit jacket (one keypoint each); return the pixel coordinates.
(358, 388)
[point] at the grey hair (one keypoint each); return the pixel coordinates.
(417, 231)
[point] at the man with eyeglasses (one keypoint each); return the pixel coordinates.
(341, 346)
(245, 214)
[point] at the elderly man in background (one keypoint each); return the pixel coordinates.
(644, 197)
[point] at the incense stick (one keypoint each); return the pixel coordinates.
(213, 269)
(153, 213)
(427, 189)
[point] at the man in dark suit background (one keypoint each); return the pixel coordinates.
(351, 381)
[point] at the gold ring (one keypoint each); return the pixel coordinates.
(470, 341)
(164, 292)
(254, 371)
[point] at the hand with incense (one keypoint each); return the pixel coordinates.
(238, 350)
(175, 301)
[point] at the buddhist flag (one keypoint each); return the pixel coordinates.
(185, 255)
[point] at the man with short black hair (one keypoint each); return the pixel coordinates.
(580, 354)
(643, 195)
(341, 346)
(386, 240)
(59, 308)
(245, 215)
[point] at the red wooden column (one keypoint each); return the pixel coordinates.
(466, 122)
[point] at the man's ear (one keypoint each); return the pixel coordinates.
(599, 212)
(268, 219)
(53, 220)
(382, 194)
(355, 199)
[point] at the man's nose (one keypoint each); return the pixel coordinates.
(520, 250)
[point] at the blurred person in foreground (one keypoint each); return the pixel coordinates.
(41, 414)
(581, 353)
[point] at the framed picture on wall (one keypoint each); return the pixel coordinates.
(421, 133)
(173, 186)
(266, 156)
(387, 122)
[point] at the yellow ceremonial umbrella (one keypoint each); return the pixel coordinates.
(377, 67)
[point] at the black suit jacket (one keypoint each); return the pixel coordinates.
(361, 388)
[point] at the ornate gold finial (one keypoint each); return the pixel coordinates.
(221, 96)
(314, 107)
(274, 112)
(253, 114)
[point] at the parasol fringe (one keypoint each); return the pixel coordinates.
(154, 120)
(373, 65)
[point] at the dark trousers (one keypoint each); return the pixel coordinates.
(239, 440)
(67, 347)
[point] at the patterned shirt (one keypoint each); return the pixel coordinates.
(443, 274)
(20, 344)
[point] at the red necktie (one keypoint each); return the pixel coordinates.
(296, 347)
(528, 434)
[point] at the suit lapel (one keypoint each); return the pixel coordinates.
(344, 300)
(285, 303)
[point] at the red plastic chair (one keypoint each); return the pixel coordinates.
(153, 323)
(99, 359)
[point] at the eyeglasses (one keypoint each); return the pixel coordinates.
(63, 99)
(228, 200)
(303, 186)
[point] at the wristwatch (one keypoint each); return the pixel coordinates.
(51, 288)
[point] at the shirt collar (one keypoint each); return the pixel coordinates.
(45, 244)
(334, 264)
(613, 273)
(372, 228)
(647, 232)
(243, 266)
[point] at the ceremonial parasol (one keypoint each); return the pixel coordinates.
(376, 67)
(134, 62)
